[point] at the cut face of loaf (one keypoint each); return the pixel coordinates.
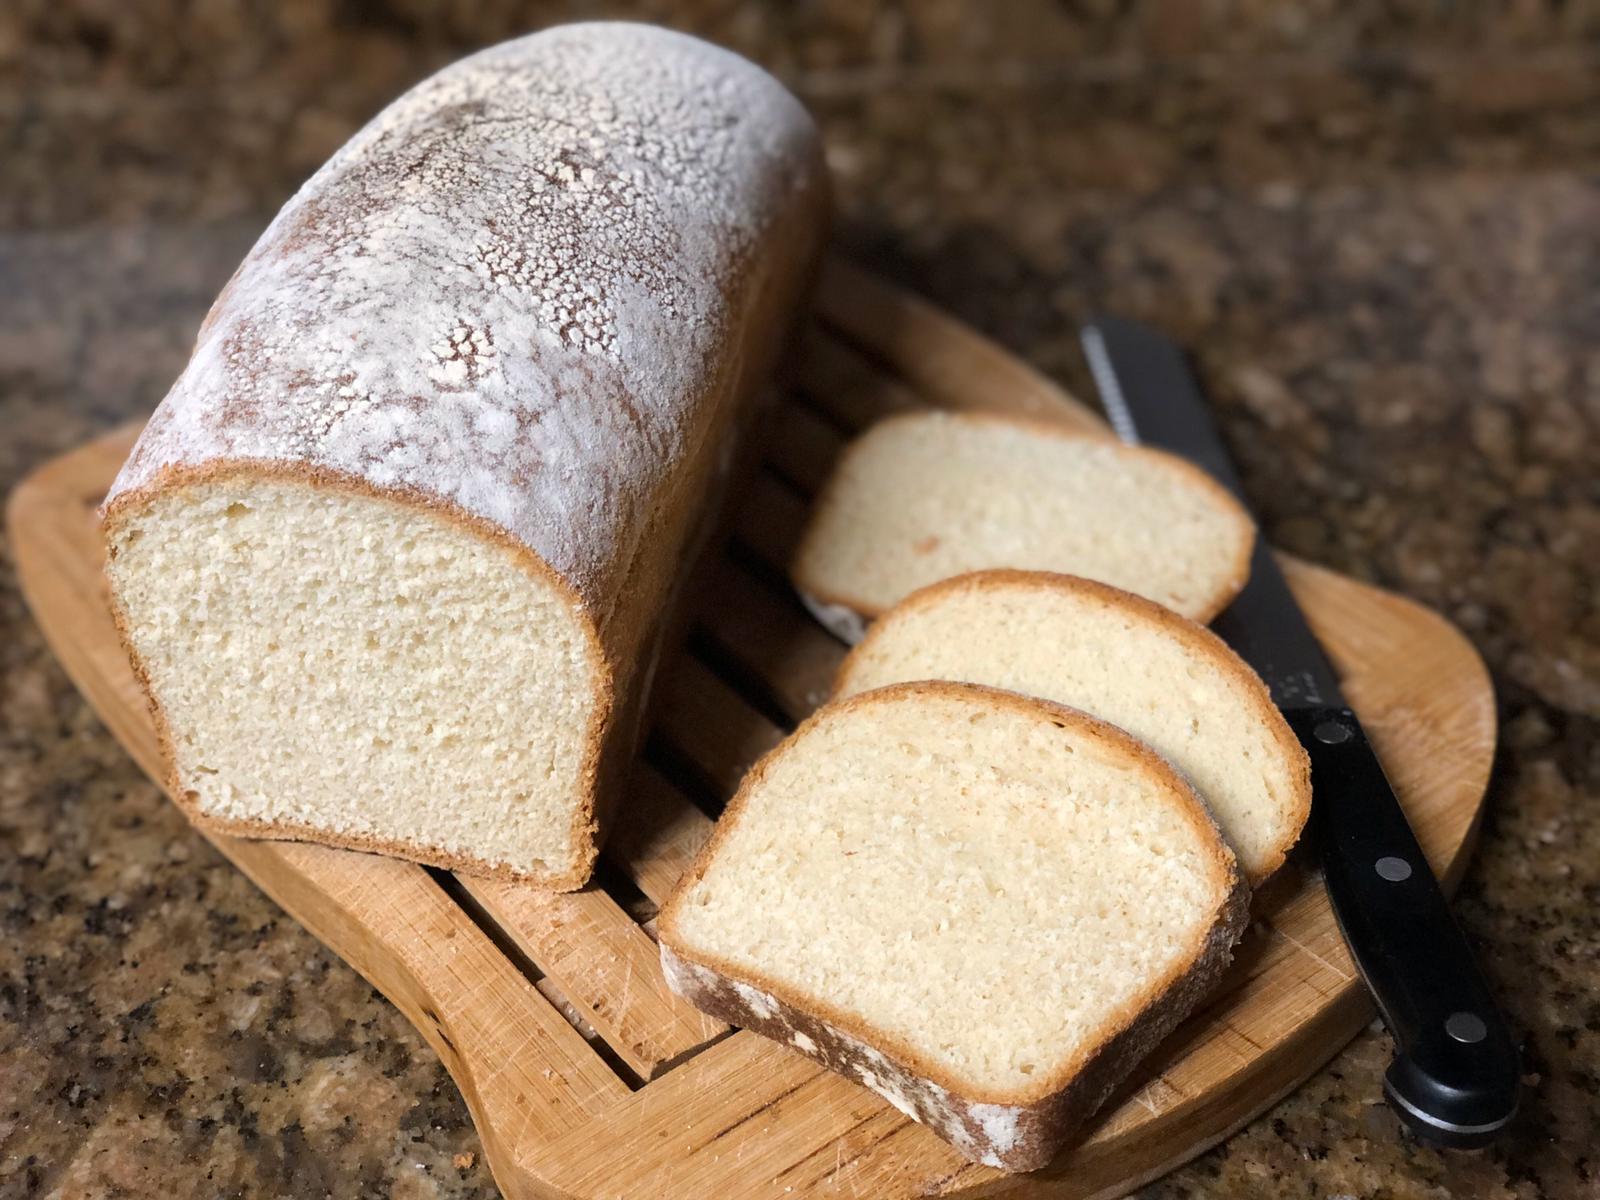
(1168, 681)
(924, 496)
(985, 908)
(410, 686)
(394, 555)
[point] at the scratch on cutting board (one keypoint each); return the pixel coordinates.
(1142, 1097)
(1310, 953)
(1157, 1095)
(627, 988)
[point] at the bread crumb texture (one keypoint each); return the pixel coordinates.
(406, 681)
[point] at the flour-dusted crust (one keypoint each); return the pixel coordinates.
(1249, 690)
(1020, 1130)
(567, 217)
(529, 297)
(845, 612)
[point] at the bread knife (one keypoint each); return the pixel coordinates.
(1455, 1075)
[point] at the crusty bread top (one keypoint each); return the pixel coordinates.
(1167, 680)
(499, 293)
(921, 496)
(933, 716)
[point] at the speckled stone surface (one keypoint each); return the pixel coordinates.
(1379, 225)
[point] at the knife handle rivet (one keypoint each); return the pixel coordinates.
(1466, 1027)
(1393, 869)
(1331, 733)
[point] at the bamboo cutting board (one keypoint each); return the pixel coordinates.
(585, 1075)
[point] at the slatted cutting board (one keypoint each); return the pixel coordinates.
(585, 1075)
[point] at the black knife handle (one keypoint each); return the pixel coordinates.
(1455, 1076)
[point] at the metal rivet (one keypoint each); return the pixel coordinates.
(1466, 1027)
(1393, 869)
(1331, 733)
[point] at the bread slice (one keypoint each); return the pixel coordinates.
(1166, 680)
(985, 908)
(923, 496)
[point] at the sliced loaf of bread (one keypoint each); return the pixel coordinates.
(984, 907)
(923, 496)
(394, 558)
(1168, 681)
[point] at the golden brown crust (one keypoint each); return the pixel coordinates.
(1194, 636)
(428, 856)
(1047, 1090)
(1228, 587)
(585, 829)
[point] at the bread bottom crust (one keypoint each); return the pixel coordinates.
(1011, 1137)
(427, 856)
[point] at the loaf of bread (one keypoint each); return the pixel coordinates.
(985, 908)
(391, 557)
(923, 496)
(1171, 683)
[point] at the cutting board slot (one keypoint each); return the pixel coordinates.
(724, 662)
(659, 835)
(506, 944)
(697, 786)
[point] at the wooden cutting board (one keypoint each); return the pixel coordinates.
(586, 1077)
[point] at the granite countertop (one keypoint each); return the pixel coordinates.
(1379, 225)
